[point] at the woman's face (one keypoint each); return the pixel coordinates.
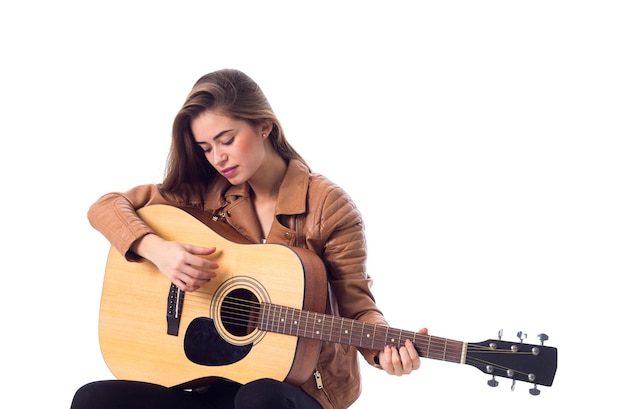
(233, 147)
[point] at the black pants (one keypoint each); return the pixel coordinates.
(260, 394)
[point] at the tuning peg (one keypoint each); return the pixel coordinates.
(534, 391)
(543, 337)
(492, 382)
(513, 385)
(500, 334)
(522, 336)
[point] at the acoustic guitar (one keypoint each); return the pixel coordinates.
(261, 317)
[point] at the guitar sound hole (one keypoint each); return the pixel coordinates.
(239, 312)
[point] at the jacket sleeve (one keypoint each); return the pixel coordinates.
(114, 215)
(344, 251)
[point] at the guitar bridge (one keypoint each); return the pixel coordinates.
(174, 309)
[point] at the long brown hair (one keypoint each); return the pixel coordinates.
(231, 93)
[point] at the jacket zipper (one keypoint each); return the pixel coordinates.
(318, 379)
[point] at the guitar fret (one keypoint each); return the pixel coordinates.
(270, 314)
(295, 322)
(341, 330)
(323, 327)
(290, 320)
(362, 331)
(351, 331)
(306, 323)
(300, 326)
(283, 319)
(311, 322)
(436, 354)
(261, 324)
(273, 322)
(316, 320)
(338, 331)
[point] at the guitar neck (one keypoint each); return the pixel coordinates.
(324, 327)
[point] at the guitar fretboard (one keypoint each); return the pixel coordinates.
(324, 327)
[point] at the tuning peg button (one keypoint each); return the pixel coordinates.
(534, 391)
(543, 337)
(492, 382)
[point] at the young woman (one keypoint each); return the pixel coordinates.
(229, 157)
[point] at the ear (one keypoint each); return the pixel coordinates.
(265, 128)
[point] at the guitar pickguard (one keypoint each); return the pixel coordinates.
(204, 345)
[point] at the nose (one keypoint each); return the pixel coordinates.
(218, 156)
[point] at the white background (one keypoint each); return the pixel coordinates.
(481, 140)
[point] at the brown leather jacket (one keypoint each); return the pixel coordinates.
(311, 212)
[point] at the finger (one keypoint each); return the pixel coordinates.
(410, 357)
(196, 260)
(189, 278)
(180, 284)
(385, 358)
(200, 272)
(199, 250)
(396, 361)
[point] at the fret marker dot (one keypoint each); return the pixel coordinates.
(346, 331)
(368, 335)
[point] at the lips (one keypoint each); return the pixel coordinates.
(227, 172)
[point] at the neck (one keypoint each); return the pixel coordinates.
(266, 181)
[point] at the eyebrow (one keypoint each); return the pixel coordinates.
(216, 136)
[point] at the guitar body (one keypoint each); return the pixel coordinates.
(150, 331)
(261, 317)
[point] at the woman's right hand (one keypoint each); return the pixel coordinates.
(183, 264)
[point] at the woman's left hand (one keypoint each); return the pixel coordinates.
(400, 361)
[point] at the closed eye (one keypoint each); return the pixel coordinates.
(208, 148)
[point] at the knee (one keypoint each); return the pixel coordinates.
(262, 393)
(87, 396)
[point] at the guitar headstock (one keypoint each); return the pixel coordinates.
(517, 361)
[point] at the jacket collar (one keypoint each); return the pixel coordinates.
(291, 197)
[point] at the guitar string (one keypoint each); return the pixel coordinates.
(238, 312)
(244, 313)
